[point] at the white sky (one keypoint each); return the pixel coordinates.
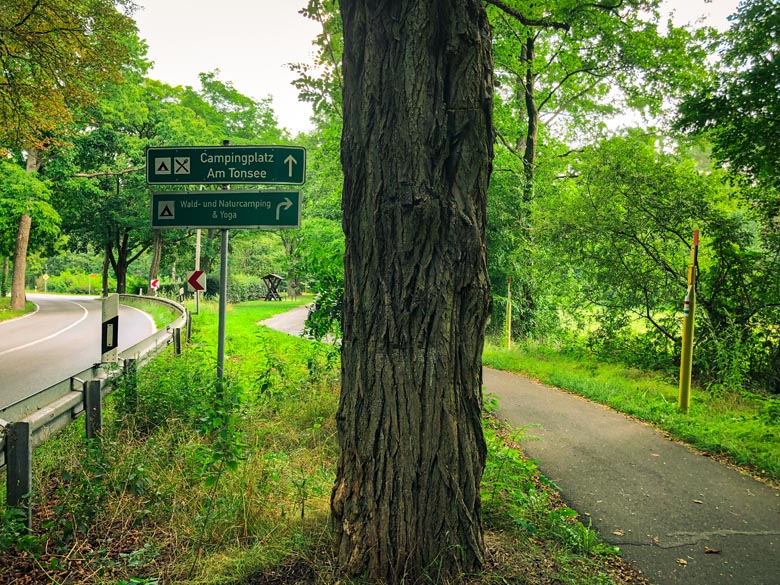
(251, 41)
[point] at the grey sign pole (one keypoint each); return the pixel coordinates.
(223, 288)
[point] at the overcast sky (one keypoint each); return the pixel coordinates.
(252, 41)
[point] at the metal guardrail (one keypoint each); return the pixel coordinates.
(43, 414)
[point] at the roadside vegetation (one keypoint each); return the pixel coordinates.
(161, 313)
(187, 487)
(5, 309)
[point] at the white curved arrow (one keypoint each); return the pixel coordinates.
(287, 204)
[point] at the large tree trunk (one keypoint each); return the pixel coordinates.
(417, 148)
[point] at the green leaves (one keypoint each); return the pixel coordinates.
(23, 193)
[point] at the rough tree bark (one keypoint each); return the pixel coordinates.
(417, 150)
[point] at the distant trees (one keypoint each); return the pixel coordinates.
(618, 235)
(56, 57)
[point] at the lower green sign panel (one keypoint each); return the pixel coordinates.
(258, 209)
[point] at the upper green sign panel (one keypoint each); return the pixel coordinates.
(219, 165)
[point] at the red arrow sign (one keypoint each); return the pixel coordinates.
(155, 284)
(196, 280)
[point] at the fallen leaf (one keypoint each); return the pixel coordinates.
(618, 533)
(656, 541)
(682, 562)
(711, 551)
(697, 502)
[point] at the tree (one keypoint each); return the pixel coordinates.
(563, 67)
(622, 229)
(739, 109)
(23, 194)
(54, 56)
(416, 152)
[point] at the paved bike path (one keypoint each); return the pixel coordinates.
(661, 503)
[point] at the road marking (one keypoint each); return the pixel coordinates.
(53, 335)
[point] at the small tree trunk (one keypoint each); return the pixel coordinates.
(416, 150)
(106, 262)
(532, 134)
(4, 278)
(18, 296)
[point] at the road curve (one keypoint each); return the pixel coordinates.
(59, 340)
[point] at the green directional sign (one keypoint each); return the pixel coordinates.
(218, 165)
(263, 209)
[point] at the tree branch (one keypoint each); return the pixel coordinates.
(528, 21)
(109, 173)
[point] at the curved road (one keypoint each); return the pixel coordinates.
(59, 340)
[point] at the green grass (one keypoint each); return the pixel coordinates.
(161, 313)
(188, 488)
(743, 428)
(5, 309)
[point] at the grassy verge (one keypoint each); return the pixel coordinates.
(5, 309)
(188, 488)
(742, 427)
(161, 313)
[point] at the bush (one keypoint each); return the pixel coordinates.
(79, 283)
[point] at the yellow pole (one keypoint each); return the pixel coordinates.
(509, 314)
(686, 359)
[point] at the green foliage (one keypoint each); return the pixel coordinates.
(618, 235)
(24, 193)
(82, 284)
(513, 493)
(58, 54)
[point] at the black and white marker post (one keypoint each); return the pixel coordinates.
(109, 336)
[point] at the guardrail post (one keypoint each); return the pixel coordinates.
(131, 384)
(177, 341)
(189, 324)
(93, 407)
(19, 468)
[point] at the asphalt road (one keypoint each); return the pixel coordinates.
(664, 505)
(60, 339)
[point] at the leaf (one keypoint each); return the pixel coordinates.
(711, 551)
(697, 502)
(618, 533)
(682, 562)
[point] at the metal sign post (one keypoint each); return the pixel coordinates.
(689, 310)
(224, 209)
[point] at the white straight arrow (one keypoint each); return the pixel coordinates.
(287, 204)
(290, 160)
